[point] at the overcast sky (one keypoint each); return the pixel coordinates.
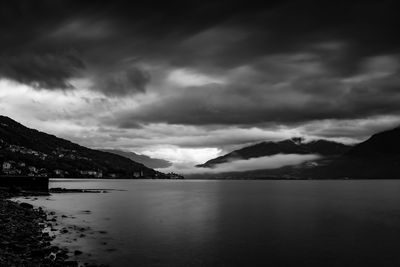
(189, 80)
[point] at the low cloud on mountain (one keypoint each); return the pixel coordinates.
(268, 162)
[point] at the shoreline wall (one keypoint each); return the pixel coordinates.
(40, 184)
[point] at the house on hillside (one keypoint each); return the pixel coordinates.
(21, 164)
(7, 165)
(33, 169)
(59, 172)
(98, 174)
(91, 173)
(138, 174)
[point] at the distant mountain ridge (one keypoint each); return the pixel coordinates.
(145, 160)
(290, 146)
(376, 158)
(386, 143)
(25, 151)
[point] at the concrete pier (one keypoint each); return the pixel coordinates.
(39, 184)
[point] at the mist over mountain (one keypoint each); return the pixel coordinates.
(376, 158)
(290, 146)
(25, 151)
(145, 160)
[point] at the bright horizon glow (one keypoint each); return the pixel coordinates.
(184, 77)
(189, 156)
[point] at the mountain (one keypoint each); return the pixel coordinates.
(25, 151)
(382, 144)
(376, 158)
(289, 146)
(145, 160)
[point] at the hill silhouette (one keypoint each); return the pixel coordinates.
(25, 151)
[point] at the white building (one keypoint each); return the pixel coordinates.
(32, 169)
(21, 164)
(138, 174)
(97, 174)
(7, 165)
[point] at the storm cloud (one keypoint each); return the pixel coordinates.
(207, 36)
(200, 74)
(41, 71)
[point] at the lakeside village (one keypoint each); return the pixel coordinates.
(18, 167)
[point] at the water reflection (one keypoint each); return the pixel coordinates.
(235, 223)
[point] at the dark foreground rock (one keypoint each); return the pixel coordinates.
(22, 240)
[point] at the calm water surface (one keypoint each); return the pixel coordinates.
(232, 223)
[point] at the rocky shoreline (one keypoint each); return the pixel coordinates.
(23, 239)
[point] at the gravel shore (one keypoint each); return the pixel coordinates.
(23, 241)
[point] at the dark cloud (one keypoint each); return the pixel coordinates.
(256, 99)
(121, 82)
(130, 125)
(222, 33)
(360, 129)
(284, 61)
(42, 71)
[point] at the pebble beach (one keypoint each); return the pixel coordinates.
(23, 239)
